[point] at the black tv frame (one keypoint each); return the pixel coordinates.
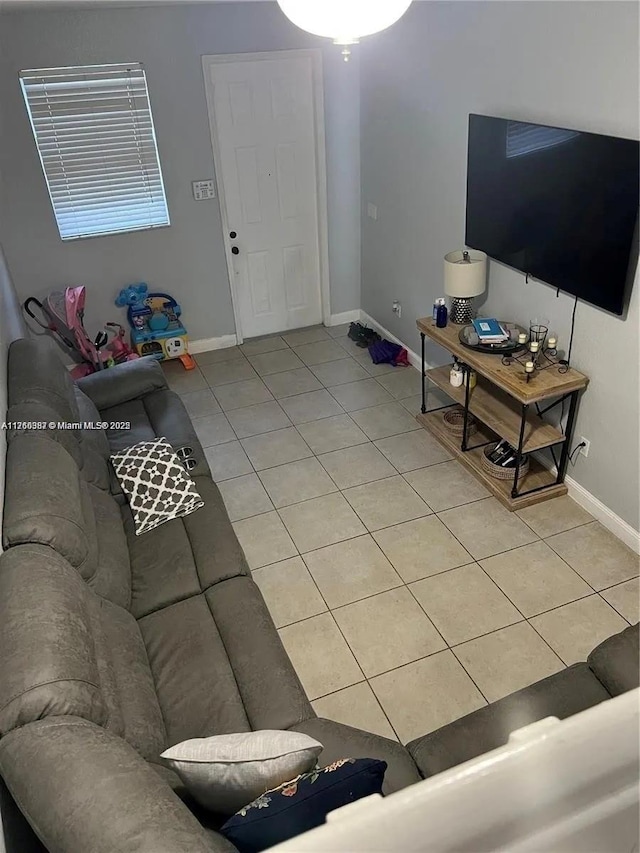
(619, 306)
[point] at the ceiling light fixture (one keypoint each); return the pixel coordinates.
(344, 21)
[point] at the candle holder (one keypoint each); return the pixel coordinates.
(542, 359)
(538, 331)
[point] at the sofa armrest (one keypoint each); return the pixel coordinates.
(616, 661)
(128, 381)
(83, 789)
(559, 695)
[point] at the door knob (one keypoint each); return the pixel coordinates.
(235, 250)
(233, 235)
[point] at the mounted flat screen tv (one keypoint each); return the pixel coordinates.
(559, 205)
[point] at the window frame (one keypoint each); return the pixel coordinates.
(141, 180)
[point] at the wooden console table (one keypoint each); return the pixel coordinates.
(505, 406)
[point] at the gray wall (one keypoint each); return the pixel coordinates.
(564, 63)
(187, 259)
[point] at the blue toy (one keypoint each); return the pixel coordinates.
(132, 296)
(155, 327)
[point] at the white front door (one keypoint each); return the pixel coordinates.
(262, 115)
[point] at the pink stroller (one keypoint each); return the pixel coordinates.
(62, 313)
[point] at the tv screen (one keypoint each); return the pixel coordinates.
(560, 205)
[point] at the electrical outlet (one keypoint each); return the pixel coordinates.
(587, 444)
(396, 307)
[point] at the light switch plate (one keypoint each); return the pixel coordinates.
(203, 189)
(372, 211)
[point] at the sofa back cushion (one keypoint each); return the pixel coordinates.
(44, 500)
(86, 791)
(41, 389)
(66, 651)
(36, 374)
(49, 666)
(47, 502)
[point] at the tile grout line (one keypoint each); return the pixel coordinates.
(340, 631)
(370, 533)
(533, 627)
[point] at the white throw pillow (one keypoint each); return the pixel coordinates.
(155, 483)
(225, 772)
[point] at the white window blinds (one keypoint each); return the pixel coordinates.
(525, 138)
(94, 133)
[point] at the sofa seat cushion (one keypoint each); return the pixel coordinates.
(616, 661)
(560, 695)
(272, 695)
(194, 680)
(340, 741)
(160, 414)
(219, 666)
(185, 556)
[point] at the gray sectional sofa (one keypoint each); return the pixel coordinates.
(115, 646)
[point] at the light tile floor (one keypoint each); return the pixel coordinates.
(404, 594)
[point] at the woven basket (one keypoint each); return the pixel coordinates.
(453, 420)
(497, 471)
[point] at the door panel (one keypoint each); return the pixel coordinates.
(266, 140)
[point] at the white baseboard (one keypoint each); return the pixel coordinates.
(601, 512)
(345, 317)
(607, 517)
(414, 358)
(207, 344)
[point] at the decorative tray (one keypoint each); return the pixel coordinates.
(468, 333)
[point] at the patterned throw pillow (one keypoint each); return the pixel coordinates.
(156, 484)
(303, 803)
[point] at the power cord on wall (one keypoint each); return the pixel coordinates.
(573, 323)
(575, 450)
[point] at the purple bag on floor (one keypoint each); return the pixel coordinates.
(384, 352)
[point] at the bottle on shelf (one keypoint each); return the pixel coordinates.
(456, 375)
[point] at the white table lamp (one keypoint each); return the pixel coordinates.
(465, 276)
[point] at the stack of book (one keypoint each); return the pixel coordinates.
(489, 331)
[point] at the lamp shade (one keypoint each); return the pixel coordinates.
(465, 273)
(344, 21)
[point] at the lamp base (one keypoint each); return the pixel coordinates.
(461, 310)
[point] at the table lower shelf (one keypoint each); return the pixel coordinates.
(536, 476)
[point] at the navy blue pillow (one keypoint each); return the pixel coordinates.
(303, 803)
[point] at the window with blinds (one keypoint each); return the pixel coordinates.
(94, 133)
(523, 138)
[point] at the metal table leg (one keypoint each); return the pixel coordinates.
(564, 456)
(467, 392)
(423, 408)
(523, 421)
